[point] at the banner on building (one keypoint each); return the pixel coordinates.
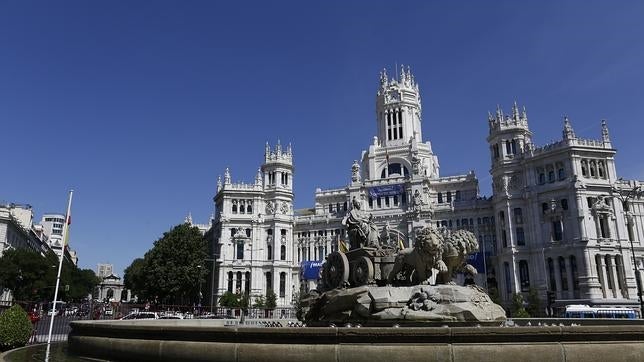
(477, 260)
(310, 270)
(387, 190)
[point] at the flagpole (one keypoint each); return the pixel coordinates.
(60, 265)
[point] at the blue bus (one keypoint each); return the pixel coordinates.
(584, 311)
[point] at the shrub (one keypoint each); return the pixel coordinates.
(517, 309)
(15, 328)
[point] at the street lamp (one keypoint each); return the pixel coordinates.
(625, 197)
(199, 282)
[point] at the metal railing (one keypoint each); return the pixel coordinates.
(40, 317)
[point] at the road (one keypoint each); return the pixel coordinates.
(60, 330)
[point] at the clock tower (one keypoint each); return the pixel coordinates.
(398, 109)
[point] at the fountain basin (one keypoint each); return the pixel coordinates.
(203, 340)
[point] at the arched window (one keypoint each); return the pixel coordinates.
(518, 215)
(283, 252)
(230, 282)
(269, 282)
(551, 174)
(234, 206)
(609, 272)
(541, 176)
(551, 274)
(621, 282)
(240, 249)
(242, 207)
(249, 207)
(238, 283)
(593, 169)
(561, 172)
(282, 285)
(247, 284)
(575, 273)
(513, 147)
(600, 169)
(508, 278)
(524, 275)
(563, 274)
(584, 168)
(269, 252)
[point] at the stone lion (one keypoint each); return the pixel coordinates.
(425, 255)
(456, 247)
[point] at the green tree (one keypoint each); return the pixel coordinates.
(229, 300)
(133, 278)
(271, 299)
(517, 309)
(260, 302)
(534, 303)
(31, 277)
(171, 270)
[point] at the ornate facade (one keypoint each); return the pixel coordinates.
(559, 220)
(252, 231)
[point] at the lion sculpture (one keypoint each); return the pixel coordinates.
(422, 258)
(457, 246)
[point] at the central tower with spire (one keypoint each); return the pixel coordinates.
(398, 109)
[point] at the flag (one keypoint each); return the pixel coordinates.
(343, 246)
(66, 231)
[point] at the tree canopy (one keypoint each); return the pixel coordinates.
(173, 269)
(32, 277)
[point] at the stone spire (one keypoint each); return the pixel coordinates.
(227, 177)
(188, 219)
(267, 151)
(524, 114)
(383, 79)
(278, 149)
(403, 75)
(515, 111)
(289, 149)
(258, 177)
(568, 132)
(219, 183)
(605, 135)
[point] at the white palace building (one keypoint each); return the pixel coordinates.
(560, 220)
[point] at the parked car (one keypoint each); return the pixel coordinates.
(141, 315)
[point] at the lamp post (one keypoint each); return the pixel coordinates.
(212, 282)
(199, 281)
(625, 196)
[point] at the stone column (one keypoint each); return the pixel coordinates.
(613, 270)
(606, 281)
(602, 275)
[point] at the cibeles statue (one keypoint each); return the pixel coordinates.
(360, 227)
(391, 286)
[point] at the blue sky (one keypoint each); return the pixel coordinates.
(139, 105)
